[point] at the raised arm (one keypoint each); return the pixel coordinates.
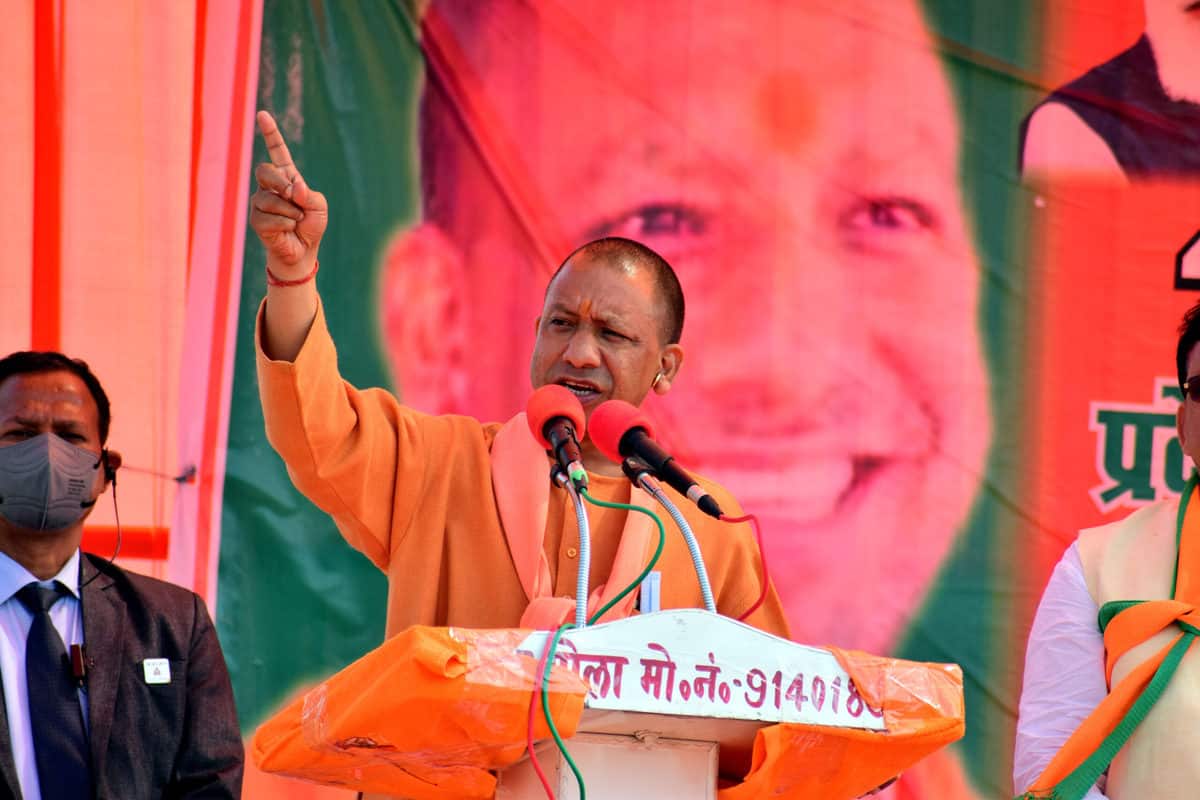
(359, 455)
(290, 219)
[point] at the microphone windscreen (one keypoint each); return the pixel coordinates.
(549, 402)
(611, 420)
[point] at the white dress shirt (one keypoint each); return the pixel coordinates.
(1064, 673)
(15, 620)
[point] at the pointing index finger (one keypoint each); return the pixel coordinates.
(277, 149)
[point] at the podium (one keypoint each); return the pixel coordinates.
(665, 705)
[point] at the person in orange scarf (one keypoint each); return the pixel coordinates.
(461, 515)
(1108, 706)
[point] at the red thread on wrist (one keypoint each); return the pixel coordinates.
(274, 280)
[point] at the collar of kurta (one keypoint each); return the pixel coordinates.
(521, 484)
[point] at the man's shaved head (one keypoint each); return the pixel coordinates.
(618, 252)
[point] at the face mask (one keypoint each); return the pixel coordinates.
(46, 483)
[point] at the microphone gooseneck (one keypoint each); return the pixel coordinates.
(584, 567)
(638, 471)
(554, 415)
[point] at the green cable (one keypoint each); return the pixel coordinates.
(662, 540)
(562, 747)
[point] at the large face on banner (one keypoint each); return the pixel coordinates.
(796, 164)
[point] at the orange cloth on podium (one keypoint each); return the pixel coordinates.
(432, 712)
(922, 707)
(428, 715)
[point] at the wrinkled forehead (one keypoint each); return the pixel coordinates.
(47, 396)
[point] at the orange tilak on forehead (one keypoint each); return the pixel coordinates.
(585, 307)
(786, 111)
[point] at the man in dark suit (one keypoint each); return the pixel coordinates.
(114, 684)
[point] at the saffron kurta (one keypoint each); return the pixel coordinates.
(413, 492)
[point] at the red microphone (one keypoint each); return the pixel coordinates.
(620, 430)
(555, 415)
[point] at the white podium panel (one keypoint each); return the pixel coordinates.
(691, 663)
(676, 698)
